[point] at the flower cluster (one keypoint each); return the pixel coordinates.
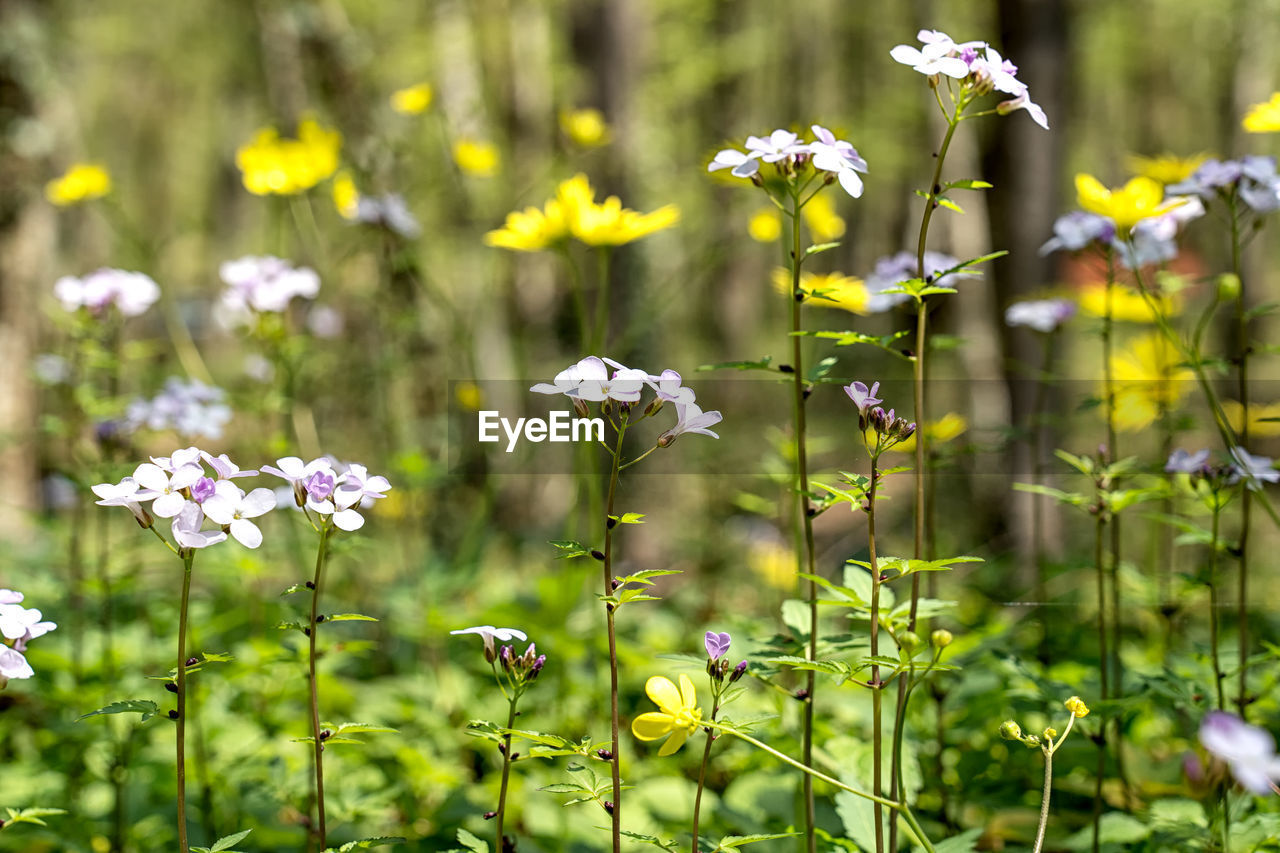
(978, 66)
(329, 490)
(179, 487)
(717, 646)
(889, 428)
(275, 165)
(132, 293)
(1249, 751)
(1243, 467)
(892, 270)
(265, 284)
(1043, 315)
(18, 625)
(188, 407)
(1252, 178)
(788, 154)
(590, 381)
(574, 213)
(82, 182)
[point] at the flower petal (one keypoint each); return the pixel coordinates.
(246, 533)
(673, 744)
(664, 693)
(651, 726)
(348, 519)
(689, 698)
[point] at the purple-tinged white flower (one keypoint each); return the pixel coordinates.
(780, 145)
(891, 270)
(1254, 470)
(179, 459)
(295, 472)
(166, 488)
(1182, 462)
(203, 489)
(1023, 102)
(488, 634)
(21, 623)
(717, 644)
(320, 485)
(1153, 239)
(189, 408)
(1001, 74)
(1043, 315)
(1249, 751)
(265, 284)
(132, 293)
(388, 211)
(1254, 177)
(13, 665)
(225, 468)
(186, 528)
(668, 387)
(1073, 231)
(367, 488)
(839, 157)
(939, 55)
(325, 322)
(863, 397)
(128, 494)
(10, 596)
(690, 418)
(568, 380)
(232, 508)
(624, 386)
(743, 165)
(341, 506)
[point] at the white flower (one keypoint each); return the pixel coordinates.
(9, 596)
(668, 387)
(127, 494)
(295, 471)
(690, 418)
(232, 508)
(743, 165)
(780, 145)
(838, 156)
(13, 665)
(21, 623)
(166, 488)
(569, 379)
(265, 284)
(224, 467)
(1254, 470)
(131, 292)
(933, 59)
(1043, 315)
(488, 633)
(1249, 751)
(187, 532)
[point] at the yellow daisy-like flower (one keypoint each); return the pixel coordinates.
(586, 128)
(83, 181)
(611, 224)
(1076, 706)
(574, 213)
(476, 158)
(530, 230)
(1264, 117)
(946, 428)
(678, 714)
(346, 198)
(1264, 419)
(1141, 198)
(270, 164)
(1127, 304)
(412, 99)
(1149, 378)
(827, 290)
(824, 223)
(765, 225)
(1166, 168)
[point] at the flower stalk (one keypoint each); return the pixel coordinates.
(317, 735)
(616, 813)
(188, 557)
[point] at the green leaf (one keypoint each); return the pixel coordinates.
(981, 259)
(565, 788)
(943, 201)
(366, 843)
(291, 590)
(1114, 828)
(965, 842)
(833, 667)
(471, 842)
(1069, 498)
(852, 596)
(733, 842)
(32, 815)
(570, 549)
(762, 364)
(822, 368)
(795, 615)
(821, 247)
(349, 617)
(145, 707)
(649, 839)
(229, 841)
(637, 577)
(968, 184)
(356, 728)
(847, 339)
(629, 518)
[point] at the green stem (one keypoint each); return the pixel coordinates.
(876, 685)
(806, 520)
(188, 557)
(1099, 525)
(1044, 800)
(616, 813)
(1246, 498)
(1213, 607)
(313, 625)
(600, 327)
(702, 777)
(506, 772)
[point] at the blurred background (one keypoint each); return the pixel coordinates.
(421, 327)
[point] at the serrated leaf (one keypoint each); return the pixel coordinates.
(569, 549)
(366, 843)
(349, 617)
(649, 573)
(145, 707)
(229, 841)
(733, 842)
(795, 615)
(822, 368)
(32, 815)
(471, 842)
(356, 728)
(649, 839)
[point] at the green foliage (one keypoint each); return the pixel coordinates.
(30, 815)
(224, 844)
(145, 707)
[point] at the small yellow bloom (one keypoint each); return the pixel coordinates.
(678, 714)
(270, 164)
(586, 128)
(1166, 168)
(469, 396)
(1149, 379)
(1264, 419)
(824, 223)
(1127, 304)
(574, 213)
(765, 225)
(774, 564)
(529, 230)
(827, 290)
(1141, 198)
(346, 198)
(476, 158)
(1077, 707)
(82, 182)
(1264, 117)
(946, 428)
(412, 100)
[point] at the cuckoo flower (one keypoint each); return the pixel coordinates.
(294, 471)
(668, 387)
(166, 487)
(10, 596)
(488, 634)
(186, 529)
(1075, 230)
(127, 493)
(225, 468)
(232, 508)
(690, 418)
(132, 293)
(863, 397)
(1254, 470)
(1182, 462)
(573, 376)
(937, 56)
(624, 386)
(780, 145)
(1043, 315)
(839, 157)
(1248, 750)
(678, 714)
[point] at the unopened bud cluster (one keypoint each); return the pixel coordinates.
(889, 427)
(523, 668)
(719, 670)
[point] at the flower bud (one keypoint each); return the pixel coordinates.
(1228, 287)
(1076, 706)
(1009, 730)
(173, 715)
(1050, 733)
(666, 439)
(941, 638)
(738, 671)
(653, 408)
(505, 657)
(537, 667)
(490, 815)
(171, 687)
(606, 408)
(580, 407)
(910, 641)
(903, 429)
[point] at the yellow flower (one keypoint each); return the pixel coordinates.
(1264, 117)
(1141, 198)
(1264, 419)
(529, 230)
(1127, 304)
(765, 225)
(469, 396)
(774, 564)
(678, 714)
(824, 223)
(946, 428)
(270, 164)
(476, 158)
(827, 290)
(1166, 168)
(574, 213)
(82, 182)
(1149, 378)
(586, 128)
(1076, 706)
(346, 198)
(412, 100)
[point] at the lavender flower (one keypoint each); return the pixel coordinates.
(717, 644)
(839, 157)
(892, 270)
(668, 387)
(1249, 751)
(132, 293)
(864, 398)
(690, 418)
(390, 212)
(125, 494)
(186, 529)
(1253, 470)
(265, 284)
(1253, 177)
(1183, 462)
(1043, 315)
(1078, 229)
(230, 507)
(189, 408)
